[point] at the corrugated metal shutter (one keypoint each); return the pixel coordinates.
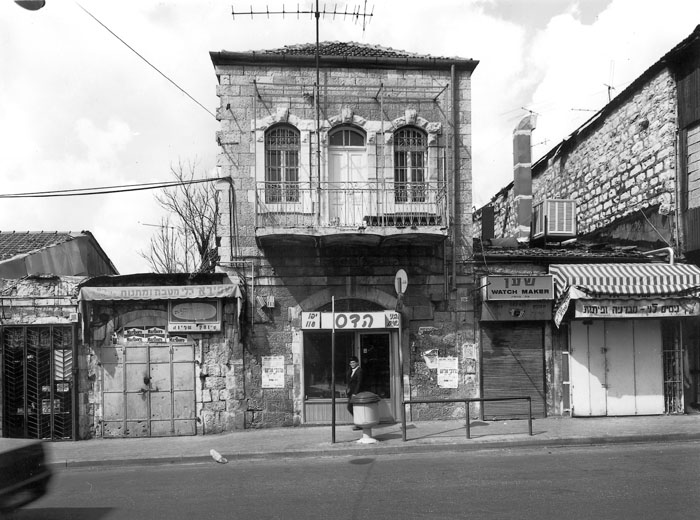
(512, 365)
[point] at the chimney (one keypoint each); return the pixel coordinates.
(522, 174)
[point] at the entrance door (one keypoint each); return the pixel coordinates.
(348, 195)
(616, 367)
(37, 382)
(148, 390)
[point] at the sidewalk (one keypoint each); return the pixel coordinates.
(313, 441)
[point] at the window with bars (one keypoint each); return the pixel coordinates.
(282, 164)
(410, 152)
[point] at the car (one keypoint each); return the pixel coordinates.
(24, 475)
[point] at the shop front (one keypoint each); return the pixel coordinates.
(330, 339)
(629, 330)
(515, 315)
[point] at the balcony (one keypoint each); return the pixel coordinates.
(366, 214)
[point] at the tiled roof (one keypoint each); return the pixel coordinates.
(13, 243)
(344, 49)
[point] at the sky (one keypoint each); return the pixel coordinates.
(80, 109)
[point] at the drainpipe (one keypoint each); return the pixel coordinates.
(455, 177)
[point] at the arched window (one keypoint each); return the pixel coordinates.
(282, 164)
(346, 136)
(410, 157)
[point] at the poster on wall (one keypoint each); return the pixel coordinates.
(273, 371)
(448, 372)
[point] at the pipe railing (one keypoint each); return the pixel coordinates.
(467, 401)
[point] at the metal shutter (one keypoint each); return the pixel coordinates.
(512, 365)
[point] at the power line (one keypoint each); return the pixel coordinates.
(144, 59)
(105, 190)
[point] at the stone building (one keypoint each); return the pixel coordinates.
(628, 177)
(350, 197)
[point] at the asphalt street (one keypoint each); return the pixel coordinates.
(620, 481)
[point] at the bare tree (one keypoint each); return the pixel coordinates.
(185, 240)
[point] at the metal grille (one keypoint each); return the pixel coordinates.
(38, 382)
(673, 370)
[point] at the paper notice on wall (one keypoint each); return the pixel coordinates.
(448, 372)
(273, 372)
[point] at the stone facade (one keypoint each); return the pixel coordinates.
(300, 276)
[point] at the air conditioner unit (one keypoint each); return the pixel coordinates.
(554, 219)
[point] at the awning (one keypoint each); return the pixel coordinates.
(621, 280)
(166, 292)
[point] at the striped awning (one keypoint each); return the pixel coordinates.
(621, 280)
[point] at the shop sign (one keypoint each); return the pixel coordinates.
(194, 316)
(350, 320)
(643, 308)
(516, 287)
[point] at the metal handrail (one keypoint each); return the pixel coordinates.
(467, 401)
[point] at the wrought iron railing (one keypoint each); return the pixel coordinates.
(355, 205)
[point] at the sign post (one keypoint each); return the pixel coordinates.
(400, 284)
(333, 371)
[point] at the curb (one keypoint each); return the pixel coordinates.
(375, 450)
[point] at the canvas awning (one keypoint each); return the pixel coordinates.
(166, 292)
(579, 281)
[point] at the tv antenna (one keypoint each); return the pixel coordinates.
(357, 13)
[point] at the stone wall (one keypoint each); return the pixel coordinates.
(613, 167)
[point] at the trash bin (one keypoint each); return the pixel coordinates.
(365, 408)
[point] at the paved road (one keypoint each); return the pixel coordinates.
(653, 481)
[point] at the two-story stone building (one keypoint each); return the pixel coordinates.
(350, 198)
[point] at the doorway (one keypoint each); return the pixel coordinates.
(148, 389)
(616, 367)
(38, 386)
(348, 189)
(376, 351)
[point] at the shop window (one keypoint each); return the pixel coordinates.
(282, 164)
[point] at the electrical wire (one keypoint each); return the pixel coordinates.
(104, 190)
(144, 59)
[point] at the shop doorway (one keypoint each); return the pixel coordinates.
(38, 387)
(616, 367)
(377, 354)
(148, 388)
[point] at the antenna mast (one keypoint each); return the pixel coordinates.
(357, 13)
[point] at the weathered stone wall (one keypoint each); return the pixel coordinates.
(437, 306)
(622, 165)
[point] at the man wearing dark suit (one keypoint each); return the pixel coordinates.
(354, 379)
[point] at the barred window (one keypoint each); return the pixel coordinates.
(282, 164)
(410, 152)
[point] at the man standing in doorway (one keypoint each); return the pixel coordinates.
(354, 379)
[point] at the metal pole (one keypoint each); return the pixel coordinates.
(333, 370)
(401, 386)
(468, 405)
(529, 415)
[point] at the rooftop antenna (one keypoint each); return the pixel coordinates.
(357, 13)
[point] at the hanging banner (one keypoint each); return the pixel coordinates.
(646, 308)
(351, 320)
(448, 372)
(273, 371)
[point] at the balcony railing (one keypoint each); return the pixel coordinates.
(352, 205)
